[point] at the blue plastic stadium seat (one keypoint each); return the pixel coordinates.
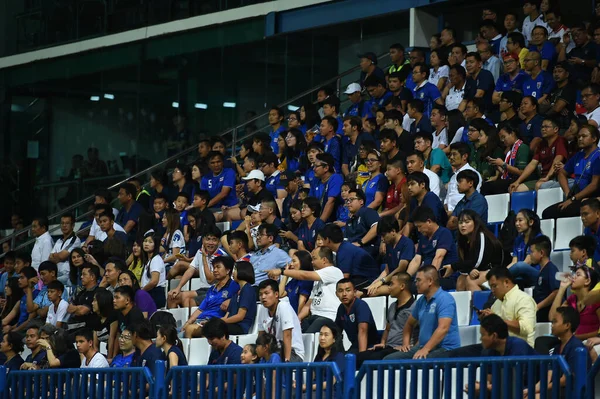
(522, 200)
(479, 300)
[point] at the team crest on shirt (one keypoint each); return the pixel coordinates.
(434, 243)
(529, 126)
(398, 254)
(224, 295)
(352, 317)
(432, 308)
(539, 85)
(421, 95)
(540, 280)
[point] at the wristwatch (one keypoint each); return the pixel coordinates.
(573, 199)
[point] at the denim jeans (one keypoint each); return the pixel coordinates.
(524, 274)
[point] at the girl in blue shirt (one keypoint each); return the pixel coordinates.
(166, 339)
(295, 150)
(241, 311)
(266, 349)
(310, 225)
(376, 187)
(297, 291)
(527, 224)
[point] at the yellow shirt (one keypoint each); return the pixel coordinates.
(137, 268)
(517, 305)
(362, 175)
(522, 55)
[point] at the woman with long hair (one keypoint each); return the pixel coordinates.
(309, 117)
(196, 177)
(134, 261)
(267, 349)
(487, 145)
(295, 154)
(172, 243)
(167, 340)
(438, 73)
(13, 294)
(297, 291)
(154, 276)
(282, 150)
(76, 262)
(305, 235)
(142, 299)
(238, 162)
(241, 311)
(376, 187)
(104, 322)
(478, 251)
(527, 223)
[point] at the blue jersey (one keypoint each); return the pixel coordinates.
(374, 185)
(403, 250)
(428, 93)
(211, 305)
(333, 146)
(308, 235)
(531, 129)
(294, 288)
(375, 103)
(505, 83)
(273, 183)
(441, 239)
(582, 168)
(349, 320)
(323, 191)
(214, 184)
(274, 137)
(359, 109)
(245, 298)
(542, 84)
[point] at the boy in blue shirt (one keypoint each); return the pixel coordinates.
(225, 351)
(547, 285)
(326, 186)
(427, 92)
(331, 107)
(147, 353)
(418, 189)
(276, 121)
(268, 165)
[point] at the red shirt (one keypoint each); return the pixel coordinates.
(394, 195)
(545, 154)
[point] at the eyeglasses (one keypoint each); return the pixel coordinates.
(292, 119)
(370, 160)
(124, 337)
(349, 200)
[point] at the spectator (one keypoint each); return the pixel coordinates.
(129, 313)
(11, 347)
(173, 242)
(142, 335)
(326, 186)
(467, 183)
(353, 261)
(330, 339)
(222, 290)
(63, 246)
(551, 151)
(418, 189)
(323, 302)
(368, 67)
(399, 250)
(458, 54)
(489, 31)
(415, 162)
(182, 180)
(397, 194)
(107, 228)
(37, 358)
(241, 311)
(584, 166)
(276, 116)
(416, 56)
(427, 92)
(268, 165)
(10, 312)
(539, 43)
(43, 242)
(540, 83)
(480, 83)
(224, 350)
(435, 159)
(358, 105)
(142, 299)
(91, 358)
(80, 307)
(522, 268)
(238, 245)
(57, 311)
(438, 73)
(8, 270)
(454, 92)
(531, 127)
(421, 121)
(94, 166)
(590, 96)
(556, 29)
(511, 81)
(511, 167)
(511, 21)
(590, 217)
(515, 44)
(582, 248)
(353, 132)
(268, 254)
(331, 107)
(510, 103)
(112, 269)
(489, 59)
(220, 184)
(127, 350)
(401, 95)
(309, 226)
(395, 141)
(533, 17)
(60, 351)
(104, 323)
(376, 187)
(459, 160)
(153, 277)
(562, 99)
(486, 144)
(361, 229)
(447, 39)
(135, 259)
(166, 339)
(278, 318)
(438, 328)
(399, 61)
(159, 183)
(39, 305)
(130, 212)
(27, 282)
(438, 123)
(581, 283)
(354, 317)
(582, 58)
(547, 285)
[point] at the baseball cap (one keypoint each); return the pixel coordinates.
(370, 56)
(509, 56)
(353, 88)
(287, 176)
(255, 174)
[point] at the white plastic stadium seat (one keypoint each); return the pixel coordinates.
(181, 316)
(561, 259)
(309, 347)
(195, 284)
(224, 226)
(498, 206)
(547, 197)
(379, 310)
(246, 339)
(463, 306)
(547, 226)
(185, 342)
(542, 329)
(468, 335)
(199, 352)
(529, 291)
(566, 229)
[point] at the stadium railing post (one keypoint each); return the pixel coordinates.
(158, 388)
(580, 372)
(349, 376)
(3, 382)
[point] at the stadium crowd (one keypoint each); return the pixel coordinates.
(384, 198)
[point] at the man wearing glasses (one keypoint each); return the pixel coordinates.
(126, 350)
(512, 79)
(268, 256)
(327, 185)
(361, 229)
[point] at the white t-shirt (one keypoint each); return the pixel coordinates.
(41, 250)
(454, 98)
(59, 315)
(528, 26)
(97, 362)
(453, 196)
(285, 319)
(406, 122)
(156, 265)
(62, 245)
(442, 138)
(434, 181)
(198, 264)
(99, 235)
(442, 72)
(325, 302)
(594, 115)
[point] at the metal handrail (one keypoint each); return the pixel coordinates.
(189, 150)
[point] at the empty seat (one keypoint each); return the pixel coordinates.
(479, 299)
(224, 226)
(199, 352)
(185, 342)
(522, 200)
(246, 339)
(542, 329)
(561, 259)
(497, 207)
(173, 283)
(468, 335)
(379, 310)
(463, 306)
(548, 197)
(195, 284)
(309, 347)
(181, 315)
(547, 226)
(566, 229)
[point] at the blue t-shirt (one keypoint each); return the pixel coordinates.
(273, 359)
(309, 235)
(294, 288)
(359, 224)
(123, 361)
(484, 81)
(428, 313)
(548, 52)
(505, 83)
(569, 352)
(542, 84)
(546, 282)
(323, 191)
(244, 298)
(274, 137)
(231, 355)
(424, 125)
(403, 250)
(348, 321)
(521, 249)
(532, 129)
(149, 358)
(428, 93)
(211, 305)
(441, 239)
(356, 261)
(596, 234)
(359, 109)
(133, 214)
(23, 314)
(433, 202)
(514, 347)
(476, 202)
(333, 146)
(37, 359)
(582, 168)
(349, 150)
(214, 184)
(374, 185)
(273, 183)
(375, 103)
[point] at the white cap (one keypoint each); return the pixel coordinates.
(353, 88)
(255, 174)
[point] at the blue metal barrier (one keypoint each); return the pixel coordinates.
(106, 383)
(590, 383)
(437, 378)
(263, 380)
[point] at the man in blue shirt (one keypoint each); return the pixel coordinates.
(418, 189)
(435, 311)
(276, 121)
(37, 356)
(539, 42)
(147, 355)
(473, 200)
(511, 80)
(590, 217)
(28, 285)
(9, 269)
(425, 91)
(546, 287)
(225, 351)
(268, 163)
(331, 141)
(480, 83)
(331, 107)
(361, 228)
(359, 106)
(355, 318)
(130, 212)
(420, 123)
(376, 88)
(326, 186)
(540, 83)
(268, 256)
(220, 183)
(354, 261)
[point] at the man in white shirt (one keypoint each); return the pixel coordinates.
(416, 163)
(63, 247)
(511, 20)
(278, 318)
(323, 302)
(92, 359)
(96, 233)
(459, 159)
(531, 8)
(57, 310)
(590, 96)
(101, 197)
(43, 242)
